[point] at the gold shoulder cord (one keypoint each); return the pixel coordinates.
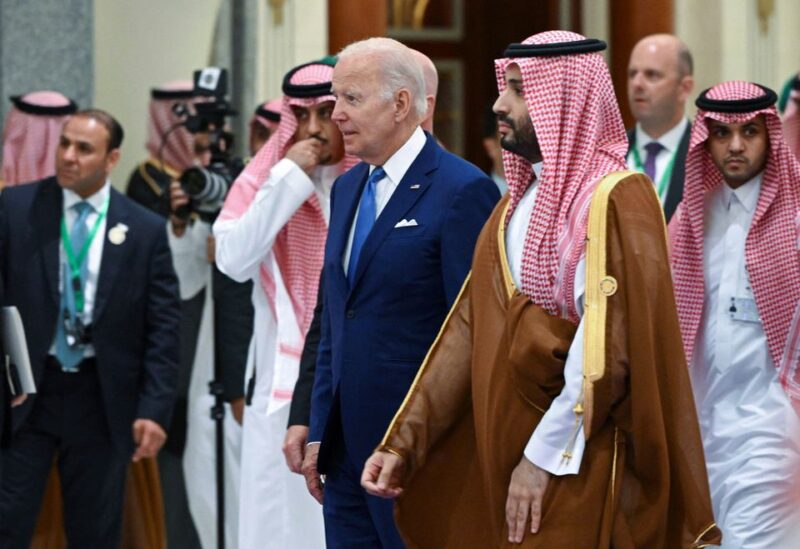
(152, 183)
(149, 180)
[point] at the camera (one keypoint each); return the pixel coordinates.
(207, 186)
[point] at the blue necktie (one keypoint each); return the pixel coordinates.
(70, 357)
(364, 220)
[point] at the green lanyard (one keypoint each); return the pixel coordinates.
(75, 263)
(663, 184)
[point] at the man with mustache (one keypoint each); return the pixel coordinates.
(737, 279)
(553, 408)
(91, 274)
(659, 82)
(272, 230)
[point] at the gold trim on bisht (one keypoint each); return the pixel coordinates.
(600, 287)
(422, 368)
(501, 245)
(697, 545)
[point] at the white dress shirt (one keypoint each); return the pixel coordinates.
(746, 420)
(670, 142)
(395, 168)
(558, 431)
(94, 256)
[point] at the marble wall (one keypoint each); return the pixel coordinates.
(46, 45)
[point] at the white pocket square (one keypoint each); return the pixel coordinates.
(406, 223)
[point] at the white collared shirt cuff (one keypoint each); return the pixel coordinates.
(552, 459)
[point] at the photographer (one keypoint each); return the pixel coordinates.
(216, 324)
(171, 146)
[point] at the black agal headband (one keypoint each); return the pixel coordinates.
(588, 45)
(158, 93)
(304, 91)
(33, 108)
(736, 105)
(264, 112)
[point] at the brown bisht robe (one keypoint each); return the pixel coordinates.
(142, 519)
(497, 365)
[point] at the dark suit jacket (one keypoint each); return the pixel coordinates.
(675, 190)
(137, 305)
(5, 397)
(300, 410)
(376, 333)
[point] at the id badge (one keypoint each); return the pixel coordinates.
(744, 309)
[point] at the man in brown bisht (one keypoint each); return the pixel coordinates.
(556, 399)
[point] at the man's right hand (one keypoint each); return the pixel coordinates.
(382, 473)
(525, 494)
(177, 198)
(313, 478)
(294, 447)
(305, 154)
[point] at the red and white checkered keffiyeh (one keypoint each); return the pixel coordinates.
(791, 122)
(177, 151)
(300, 245)
(271, 125)
(30, 140)
(575, 115)
(771, 248)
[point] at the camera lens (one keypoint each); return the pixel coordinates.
(194, 181)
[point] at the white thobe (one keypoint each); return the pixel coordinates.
(746, 419)
(560, 431)
(199, 455)
(277, 511)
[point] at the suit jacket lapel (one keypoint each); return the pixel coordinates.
(410, 189)
(113, 254)
(46, 221)
(675, 190)
(348, 195)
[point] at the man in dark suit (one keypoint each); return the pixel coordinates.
(92, 276)
(659, 82)
(294, 443)
(403, 226)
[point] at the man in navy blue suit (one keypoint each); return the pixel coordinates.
(91, 274)
(403, 226)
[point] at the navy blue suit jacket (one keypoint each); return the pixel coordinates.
(376, 333)
(136, 311)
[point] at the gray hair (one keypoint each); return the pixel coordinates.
(399, 69)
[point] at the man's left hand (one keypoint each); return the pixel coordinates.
(382, 475)
(18, 400)
(525, 493)
(149, 438)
